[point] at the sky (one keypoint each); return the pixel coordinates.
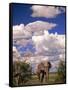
(39, 30)
(22, 14)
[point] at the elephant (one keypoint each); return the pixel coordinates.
(43, 70)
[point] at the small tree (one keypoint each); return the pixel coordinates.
(25, 71)
(61, 72)
(22, 73)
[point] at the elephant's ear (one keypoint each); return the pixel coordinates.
(49, 65)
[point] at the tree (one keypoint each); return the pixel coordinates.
(61, 72)
(22, 72)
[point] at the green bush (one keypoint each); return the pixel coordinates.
(22, 73)
(61, 72)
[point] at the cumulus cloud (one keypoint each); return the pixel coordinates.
(37, 28)
(50, 45)
(46, 11)
(22, 42)
(14, 49)
(20, 32)
(40, 26)
(16, 54)
(22, 35)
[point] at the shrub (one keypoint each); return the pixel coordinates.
(61, 72)
(21, 73)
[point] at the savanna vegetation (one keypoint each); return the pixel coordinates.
(22, 75)
(61, 72)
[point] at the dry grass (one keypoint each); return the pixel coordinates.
(35, 80)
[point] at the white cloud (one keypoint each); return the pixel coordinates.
(23, 42)
(40, 26)
(16, 54)
(37, 28)
(46, 11)
(20, 32)
(14, 49)
(50, 45)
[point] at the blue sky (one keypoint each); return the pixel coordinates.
(21, 13)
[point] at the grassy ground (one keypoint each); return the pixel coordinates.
(35, 80)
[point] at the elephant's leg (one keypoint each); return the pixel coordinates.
(47, 74)
(45, 78)
(38, 75)
(42, 76)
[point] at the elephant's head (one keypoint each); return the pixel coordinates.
(49, 64)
